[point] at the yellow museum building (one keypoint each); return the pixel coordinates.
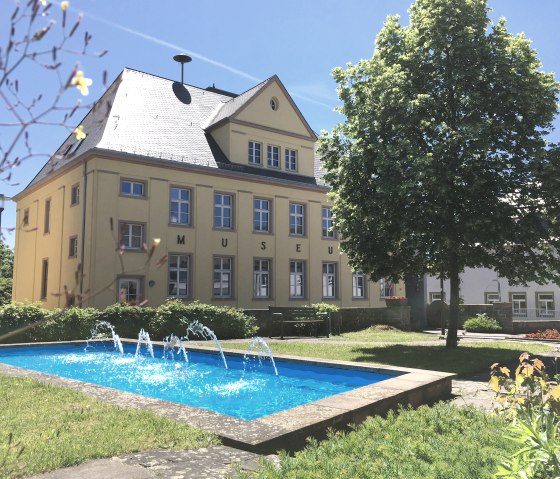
(229, 185)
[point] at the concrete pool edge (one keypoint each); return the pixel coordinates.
(286, 429)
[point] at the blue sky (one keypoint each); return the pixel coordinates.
(236, 44)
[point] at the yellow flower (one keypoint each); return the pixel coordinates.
(81, 82)
(64, 6)
(79, 133)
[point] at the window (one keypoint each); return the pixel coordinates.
(25, 220)
(261, 278)
(491, 297)
(47, 216)
(436, 296)
(129, 290)
(261, 215)
(75, 195)
(133, 188)
(73, 247)
(274, 103)
(132, 235)
(545, 305)
(291, 159)
(387, 288)
(358, 285)
(178, 285)
(222, 277)
(327, 223)
(518, 304)
(254, 153)
(273, 156)
(223, 211)
(44, 278)
(329, 280)
(297, 219)
(180, 206)
(297, 279)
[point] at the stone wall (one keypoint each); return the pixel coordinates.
(348, 319)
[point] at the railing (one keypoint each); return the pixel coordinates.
(535, 314)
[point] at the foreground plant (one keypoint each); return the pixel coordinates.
(530, 401)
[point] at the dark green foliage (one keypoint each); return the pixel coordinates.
(127, 319)
(482, 323)
(441, 442)
(6, 285)
(442, 162)
(76, 323)
(17, 315)
(174, 316)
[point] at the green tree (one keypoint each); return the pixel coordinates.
(442, 161)
(6, 273)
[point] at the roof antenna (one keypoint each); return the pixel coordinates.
(182, 58)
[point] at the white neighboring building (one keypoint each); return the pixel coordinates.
(483, 286)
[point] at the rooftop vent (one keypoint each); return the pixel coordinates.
(182, 58)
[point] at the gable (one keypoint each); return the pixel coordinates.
(286, 117)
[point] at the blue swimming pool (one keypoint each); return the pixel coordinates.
(246, 390)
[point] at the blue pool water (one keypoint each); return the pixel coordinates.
(245, 391)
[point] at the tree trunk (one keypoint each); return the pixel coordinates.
(451, 341)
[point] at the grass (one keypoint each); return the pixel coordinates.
(440, 442)
(466, 360)
(59, 427)
(385, 334)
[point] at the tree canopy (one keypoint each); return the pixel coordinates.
(442, 162)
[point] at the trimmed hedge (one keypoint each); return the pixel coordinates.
(76, 323)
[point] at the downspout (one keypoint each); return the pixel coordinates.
(83, 242)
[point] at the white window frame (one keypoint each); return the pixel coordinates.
(130, 188)
(330, 280)
(386, 288)
(327, 223)
(491, 297)
(220, 207)
(297, 219)
(261, 215)
(436, 296)
(255, 153)
(545, 306)
(290, 159)
(273, 156)
(518, 303)
(222, 266)
(123, 284)
(183, 206)
(261, 277)
(128, 234)
(359, 285)
(175, 266)
(297, 279)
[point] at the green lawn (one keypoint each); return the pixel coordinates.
(60, 427)
(440, 442)
(385, 334)
(467, 359)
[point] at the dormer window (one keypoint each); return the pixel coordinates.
(255, 153)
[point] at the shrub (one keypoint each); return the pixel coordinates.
(546, 334)
(531, 403)
(67, 325)
(17, 315)
(482, 323)
(174, 316)
(128, 320)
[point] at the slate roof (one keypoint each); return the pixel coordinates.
(149, 116)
